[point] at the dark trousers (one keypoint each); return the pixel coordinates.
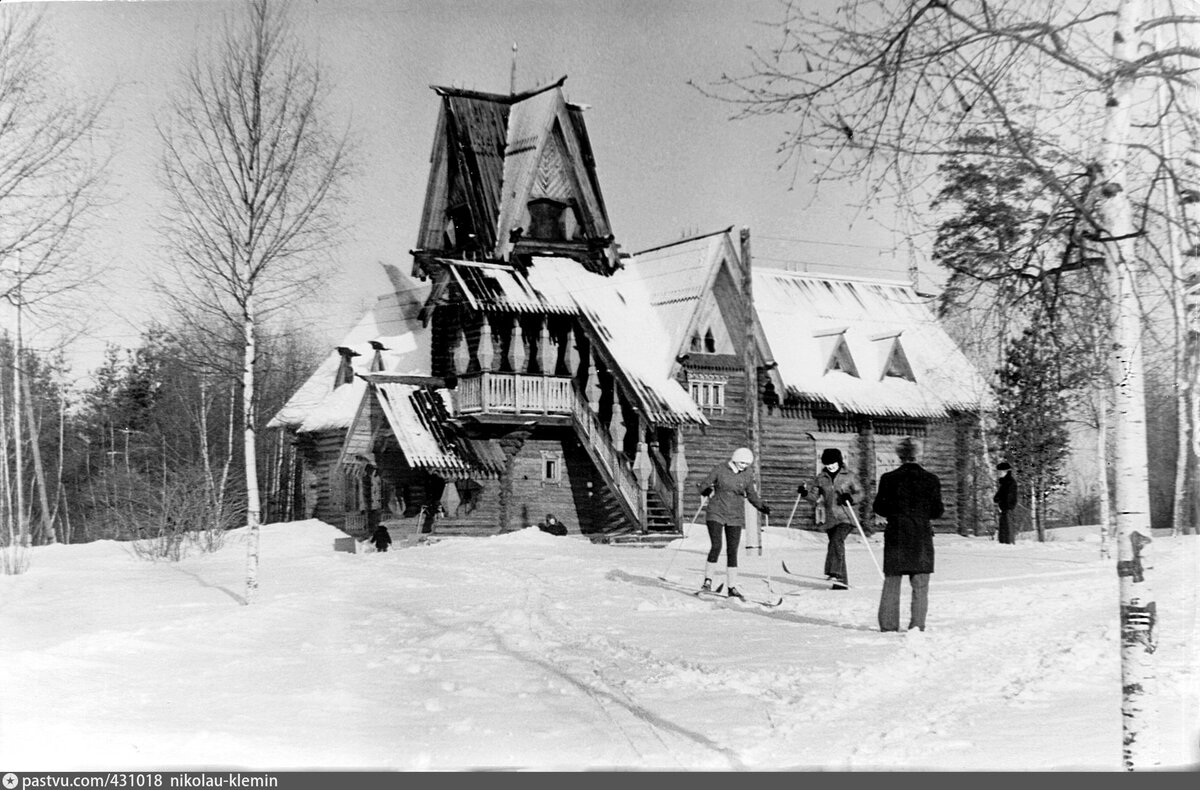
(889, 602)
(733, 536)
(1006, 528)
(835, 554)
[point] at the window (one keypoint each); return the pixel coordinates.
(710, 343)
(839, 353)
(897, 363)
(551, 468)
(709, 394)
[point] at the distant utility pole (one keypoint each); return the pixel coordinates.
(750, 368)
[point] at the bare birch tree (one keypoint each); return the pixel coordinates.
(879, 91)
(253, 174)
(49, 176)
(49, 180)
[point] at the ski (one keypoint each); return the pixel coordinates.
(701, 593)
(748, 601)
(791, 572)
(718, 594)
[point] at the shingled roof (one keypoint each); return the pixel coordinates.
(811, 318)
(813, 323)
(486, 155)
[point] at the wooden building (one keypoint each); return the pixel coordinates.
(527, 367)
(525, 386)
(846, 362)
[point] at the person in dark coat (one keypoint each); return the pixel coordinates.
(381, 538)
(1006, 500)
(723, 490)
(908, 497)
(835, 489)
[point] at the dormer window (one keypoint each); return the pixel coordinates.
(896, 362)
(837, 351)
(710, 342)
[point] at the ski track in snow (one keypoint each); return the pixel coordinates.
(537, 653)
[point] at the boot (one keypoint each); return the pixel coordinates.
(707, 586)
(734, 592)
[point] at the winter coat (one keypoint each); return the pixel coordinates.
(728, 489)
(381, 538)
(826, 486)
(908, 498)
(1006, 493)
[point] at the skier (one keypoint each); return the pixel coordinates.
(834, 489)
(1006, 499)
(381, 538)
(908, 497)
(722, 491)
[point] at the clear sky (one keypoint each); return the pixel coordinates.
(671, 162)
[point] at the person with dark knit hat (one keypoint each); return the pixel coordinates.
(723, 491)
(1006, 499)
(832, 490)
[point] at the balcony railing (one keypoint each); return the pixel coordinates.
(514, 393)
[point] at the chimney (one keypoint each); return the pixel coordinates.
(345, 373)
(377, 360)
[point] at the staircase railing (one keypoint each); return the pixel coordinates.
(663, 483)
(608, 459)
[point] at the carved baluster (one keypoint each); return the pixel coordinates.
(546, 350)
(461, 357)
(471, 333)
(487, 349)
(517, 353)
(570, 352)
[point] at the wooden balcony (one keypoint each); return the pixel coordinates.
(491, 393)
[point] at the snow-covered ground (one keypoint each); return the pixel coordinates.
(528, 651)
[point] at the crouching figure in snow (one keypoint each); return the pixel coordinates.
(723, 490)
(381, 538)
(908, 497)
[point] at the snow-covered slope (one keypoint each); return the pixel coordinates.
(531, 651)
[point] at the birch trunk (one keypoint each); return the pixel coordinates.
(12, 559)
(1179, 321)
(1106, 524)
(18, 452)
(252, 502)
(1137, 603)
(39, 471)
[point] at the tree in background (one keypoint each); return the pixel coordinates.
(49, 180)
(253, 177)
(1021, 256)
(1031, 419)
(880, 91)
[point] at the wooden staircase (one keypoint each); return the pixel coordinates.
(621, 502)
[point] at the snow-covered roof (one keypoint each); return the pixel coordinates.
(678, 278)
(393, 323)
(806, 316)
(619, 311)
(418, 417)
(616, 306)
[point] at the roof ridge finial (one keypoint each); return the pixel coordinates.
(512, 77)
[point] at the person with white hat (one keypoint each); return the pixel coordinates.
(723, 490)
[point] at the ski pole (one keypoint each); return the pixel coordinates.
(792, 515)
(854, 518)
(675, 551)
(766, 526)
